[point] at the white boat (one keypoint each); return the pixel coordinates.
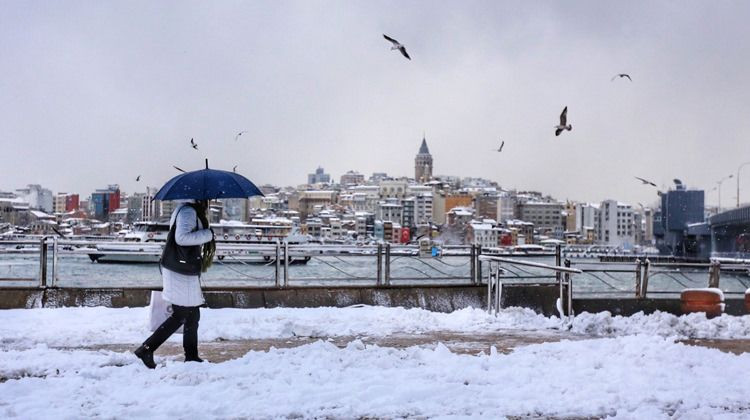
(235, 242)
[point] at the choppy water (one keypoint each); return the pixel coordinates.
(79, 271)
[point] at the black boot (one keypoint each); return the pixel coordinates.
(146, 356)
(193, 359)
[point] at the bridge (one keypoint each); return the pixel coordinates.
(730, 233)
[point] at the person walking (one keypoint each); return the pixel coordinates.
(188, 252)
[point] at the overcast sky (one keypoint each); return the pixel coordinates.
(94, 93)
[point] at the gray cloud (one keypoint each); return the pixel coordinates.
(97, 92)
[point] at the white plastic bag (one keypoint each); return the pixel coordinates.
(159, 311)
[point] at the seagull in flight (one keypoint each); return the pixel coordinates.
(239, 134)
(234, 169)
(563, 121)
(397, 46)
(621, 75)
(138, 178)
(193, 144)
(179, 169)
(645, 181)
(500, 149)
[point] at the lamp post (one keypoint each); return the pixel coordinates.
(718, 183)
(738, 181)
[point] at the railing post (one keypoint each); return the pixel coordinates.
(714, 273)
(558, 275)
(478, 277)
(380, 265)
(286, 264)
(637, 278)
(489, 288)
(473, 263)
(498, 289)
(43, 262)
(387, 264)
(278, 264)
(54, 262)
(569, 281)
(644, 289)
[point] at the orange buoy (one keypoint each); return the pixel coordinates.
(709, 300)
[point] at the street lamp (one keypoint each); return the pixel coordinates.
(738, 182)
(718, 184)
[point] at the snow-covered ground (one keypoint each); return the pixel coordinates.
(631, 367)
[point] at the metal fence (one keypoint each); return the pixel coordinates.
(57, 262)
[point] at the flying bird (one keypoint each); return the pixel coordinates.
(621, 75)
(645, 181)
(234, 169)
(397, 46)
(179, 169)
(563, 121)
(138, 178)
(500, 149)
(677, 181)
(239, 134)
(193, 144)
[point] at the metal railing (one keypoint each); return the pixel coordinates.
(385, 265)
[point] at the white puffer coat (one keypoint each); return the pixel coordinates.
(181, 289)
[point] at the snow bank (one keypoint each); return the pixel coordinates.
(70, 327)
(628, 377)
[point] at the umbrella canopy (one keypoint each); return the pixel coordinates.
(207, 184)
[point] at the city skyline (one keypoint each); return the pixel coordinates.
(90, 99)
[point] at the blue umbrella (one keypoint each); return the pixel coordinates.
(207, 184)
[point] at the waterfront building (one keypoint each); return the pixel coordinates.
(506, 207)
(570, 216)
(409, 212)
(423, 209)
(352, 178)
(365, 197)
(391, 210)
(484, 234)
(680, 207)
(392, 189)
(522, 233)
(438, 207)
(14, 211)
(460, 215)
(37, 197)
(58, 205)
(105, 201)
(485, 205)
(423, 163)
(547, 217)
(616, 225)
(319, 177)
(309, 200)
(458, 199)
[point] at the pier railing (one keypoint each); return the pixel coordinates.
(58, 262)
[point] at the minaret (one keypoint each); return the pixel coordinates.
(423, 163)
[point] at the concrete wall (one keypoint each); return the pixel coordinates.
(540, 298)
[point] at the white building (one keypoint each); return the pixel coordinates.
(393, 189)
(484, 235)
(390, 210)
(38, 198)
(616, 224)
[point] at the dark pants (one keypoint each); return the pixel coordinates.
(181, 315)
